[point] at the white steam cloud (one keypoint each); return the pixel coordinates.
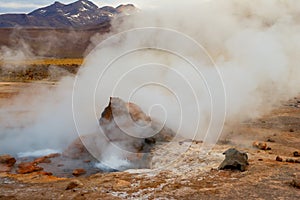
(19, 53)
(255, 45)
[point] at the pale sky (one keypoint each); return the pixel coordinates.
(26, 6)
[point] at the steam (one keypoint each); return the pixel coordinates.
(40, 117)
(37, 153)
(18, 54)
(255, 45)
(22, 53)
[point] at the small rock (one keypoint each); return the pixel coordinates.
(270, 140)
(78, 172)
(291, 130)
(234, 160)
(198, 141)
(150, 140)
(73, 184)
(296, 154)
(290, 160)
(28, 167)
(279, 159)
(260, 145)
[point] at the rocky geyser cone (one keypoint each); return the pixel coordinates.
(126, 126)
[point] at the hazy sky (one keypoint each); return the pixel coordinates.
(25, 6)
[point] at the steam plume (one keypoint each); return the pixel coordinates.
(255, 45)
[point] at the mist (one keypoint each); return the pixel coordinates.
(20, 52)
(194, 66)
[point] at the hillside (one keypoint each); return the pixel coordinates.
(80, 14)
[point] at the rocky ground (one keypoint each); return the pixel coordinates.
(194, 175)
(37, 70)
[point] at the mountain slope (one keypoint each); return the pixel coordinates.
(82, 13)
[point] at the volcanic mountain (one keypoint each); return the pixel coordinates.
(80, 14)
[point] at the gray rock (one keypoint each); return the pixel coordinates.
(234, 160)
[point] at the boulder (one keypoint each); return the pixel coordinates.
(234, 160)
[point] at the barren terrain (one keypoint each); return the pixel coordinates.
(193, 176)
(58, 43)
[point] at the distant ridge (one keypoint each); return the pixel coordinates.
(80, 14)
